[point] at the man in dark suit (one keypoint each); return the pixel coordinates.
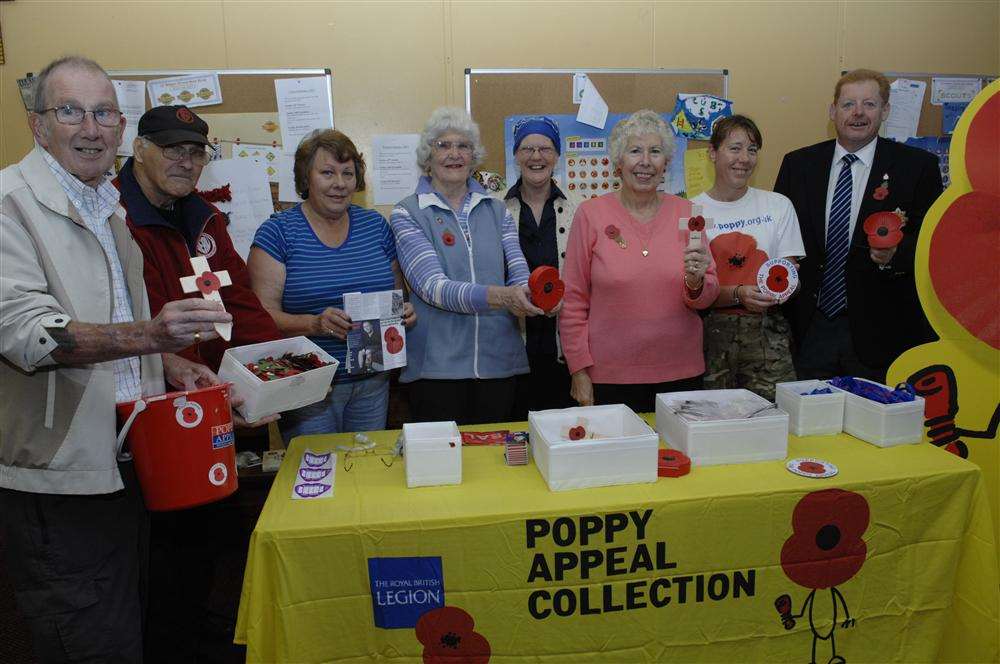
(857, 308)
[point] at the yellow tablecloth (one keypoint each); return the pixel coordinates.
(690, 571)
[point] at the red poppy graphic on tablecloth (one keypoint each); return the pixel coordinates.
(448, 238)
(884, 229)
(737, 258)
(696, 223)
(449, 638)
(826, 548)
(777, 278)
(208, 283)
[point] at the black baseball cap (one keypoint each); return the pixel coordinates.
(169, 125)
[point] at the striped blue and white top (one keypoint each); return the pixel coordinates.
(422, 267)
(317, 276)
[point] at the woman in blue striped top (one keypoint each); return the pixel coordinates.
(305, 258)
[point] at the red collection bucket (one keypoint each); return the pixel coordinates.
(183, 446)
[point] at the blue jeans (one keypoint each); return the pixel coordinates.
(355, 406)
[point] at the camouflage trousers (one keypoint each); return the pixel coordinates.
(748, 351)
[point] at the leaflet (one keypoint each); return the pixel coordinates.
(377, 339)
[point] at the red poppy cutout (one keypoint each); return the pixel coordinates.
(826, 548)
(982, 159)
(448, 238)
(884, 229)
(577, 433)
(737, 258)
(208, 283)
(184, 115)
(612, 231)
(777, 279)
(547, 289)
(881, 192)
(696, 223)
(449, 638)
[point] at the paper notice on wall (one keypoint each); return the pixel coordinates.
(192, 90)
(286, 179)
(954, 90)
(132, 103)
(593, 109)
(906, 99)
(579, 85)
(699, 173)
(394, 167)
(303, 105)
(250, 192)
(264, 157)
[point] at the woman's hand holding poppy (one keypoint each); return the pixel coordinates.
(582, 388)
(332, 323)
(882, 256)
(696, 261)
(754, 300)
(515, 299)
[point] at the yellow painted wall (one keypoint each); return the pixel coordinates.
(393, 62)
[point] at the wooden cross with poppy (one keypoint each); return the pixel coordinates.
(208, 284)
(695, 225)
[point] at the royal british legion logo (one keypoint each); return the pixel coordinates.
(403, 589)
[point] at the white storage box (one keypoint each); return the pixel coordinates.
(267, 397)
(811, 414)
(432, 452)
(624, 452)
(884, 424)
(760, 438)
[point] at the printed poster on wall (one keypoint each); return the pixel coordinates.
(585, 167)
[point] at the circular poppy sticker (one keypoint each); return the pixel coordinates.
(778, 277)
(812, 468)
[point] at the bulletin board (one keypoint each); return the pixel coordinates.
(930, 115)
(493, 94)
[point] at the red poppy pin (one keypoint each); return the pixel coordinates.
(882, 190)
(777, 278)
(696, 223)
(612, 232)
(448, 238)
(884, 229)
(185, 115)
(208, 283)
(448, 636)
(577, 433)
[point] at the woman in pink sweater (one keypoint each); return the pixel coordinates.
(629, 324)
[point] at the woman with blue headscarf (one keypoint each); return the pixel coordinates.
(543, 214)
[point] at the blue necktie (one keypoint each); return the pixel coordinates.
(833, 290)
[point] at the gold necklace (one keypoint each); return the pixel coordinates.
(641, 232)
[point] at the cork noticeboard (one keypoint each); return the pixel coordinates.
(930, 114)
(493, 94)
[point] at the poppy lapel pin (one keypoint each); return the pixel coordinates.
(882, 190)
(612, 232)
(448, 238)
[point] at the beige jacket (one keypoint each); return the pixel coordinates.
(57, 423)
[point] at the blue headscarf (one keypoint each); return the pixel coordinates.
(536, 124)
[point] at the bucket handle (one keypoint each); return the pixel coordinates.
(140, 405)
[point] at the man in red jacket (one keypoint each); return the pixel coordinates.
(171, 223)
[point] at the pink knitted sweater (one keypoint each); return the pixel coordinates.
(628, 318)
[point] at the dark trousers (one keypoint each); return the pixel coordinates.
(79, 569)
(826, 350)
(641, 398)
(547, 386)
(466, 401)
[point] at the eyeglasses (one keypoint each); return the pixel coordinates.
(198, 155)
(74, 115)
(446, 146)
(528, 151)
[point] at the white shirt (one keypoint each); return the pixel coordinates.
(95, 206)
(859, 171)
(766, 216)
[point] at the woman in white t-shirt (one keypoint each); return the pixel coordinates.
(746, 338)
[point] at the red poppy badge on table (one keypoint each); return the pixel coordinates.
(547, 289)
(448, 637)
(815, 468)
(884, 229)
(778, 278)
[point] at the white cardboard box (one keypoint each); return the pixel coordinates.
(267, 397)
(432, 452)
(624, 454)
(884, 424)
(811, 414)
(761, 438)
